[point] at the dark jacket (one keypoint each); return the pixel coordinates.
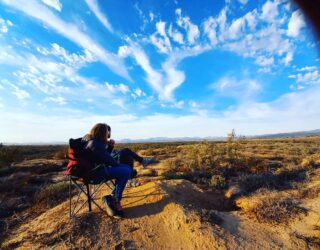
(100, 151)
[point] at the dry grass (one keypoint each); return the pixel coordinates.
(278, 210)
(271, 207)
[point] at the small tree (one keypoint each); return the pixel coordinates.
(233, 148)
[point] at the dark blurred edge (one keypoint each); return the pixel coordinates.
(311, 9)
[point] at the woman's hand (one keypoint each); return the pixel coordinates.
(111, 142)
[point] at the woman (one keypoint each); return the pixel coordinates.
(98, 142)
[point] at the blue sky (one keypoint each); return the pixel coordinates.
(155, 68)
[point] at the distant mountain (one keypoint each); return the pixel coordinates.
(315, 132)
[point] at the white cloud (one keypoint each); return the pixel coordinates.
(175, 35)
(123, 88)
(310, 77)
(288, 58)
(58, 100)
(236, 28)
(4, 25)
(137, 93)
(70, 31)
(270, 11)
(210, 30)
(160, 38)
(117, 88)
(244, 2)
(178, 105)
(20, 93)
(119, 102)
(251, 19)
(166, 80)
(152, 16)
(54, 4)
(308, 68)
(296, 23)
(243, 89)
(152, 76)
(193, 104)
(72, 59)
(264, 61)
(93, 5)
(161, 28)
(173, 79)
(191, 29)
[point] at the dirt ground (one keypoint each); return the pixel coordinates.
(164, 214)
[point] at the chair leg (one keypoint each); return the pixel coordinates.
(89, 196)
(70, 197)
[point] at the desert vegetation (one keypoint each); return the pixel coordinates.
(269, 181)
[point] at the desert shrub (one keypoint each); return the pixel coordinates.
(218, 182)
(174, 164)
(173, 176)
(232, 149)
(9, 155)
(311, 160)
(199, 177)
(52, 194)
(291, 173)
(253, 182)
(61, 154)
(202, 156)
(276, 210)
(309, 193)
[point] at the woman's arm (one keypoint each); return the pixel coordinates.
(100, 151)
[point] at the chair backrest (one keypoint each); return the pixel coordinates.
(79, 159)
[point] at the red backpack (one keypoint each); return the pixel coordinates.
(79, 159)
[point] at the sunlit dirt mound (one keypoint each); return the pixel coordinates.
(163, 214)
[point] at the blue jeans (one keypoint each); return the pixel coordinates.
(121, 173)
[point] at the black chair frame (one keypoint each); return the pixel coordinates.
(89, 189)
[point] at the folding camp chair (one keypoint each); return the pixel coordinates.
(87, 187)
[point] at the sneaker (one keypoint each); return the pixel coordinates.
(109, 202)
(148, 160)
(119, 210)
(134, 173)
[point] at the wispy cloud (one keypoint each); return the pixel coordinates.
(93, 5)
(239, 89)
(258, 34)
(53, 3)
(4, 25)
(70, 31)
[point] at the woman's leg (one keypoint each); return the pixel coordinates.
(127, 156)
(122, 174)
